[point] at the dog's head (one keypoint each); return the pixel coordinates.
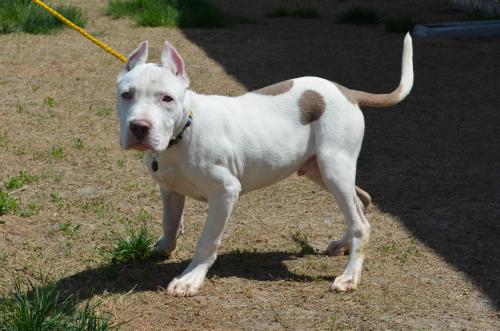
(150, 99)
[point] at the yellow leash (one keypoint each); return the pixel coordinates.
(87, 35)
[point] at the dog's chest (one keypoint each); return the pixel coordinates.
(172, 178)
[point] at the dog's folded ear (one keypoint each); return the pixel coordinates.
(171, 59)
(138, 56)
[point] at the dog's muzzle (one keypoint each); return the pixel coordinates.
(140, 129)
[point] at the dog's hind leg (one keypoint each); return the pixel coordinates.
(338, 171)
(312, 172)
(173, 207)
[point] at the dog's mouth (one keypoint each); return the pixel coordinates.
(140, 147)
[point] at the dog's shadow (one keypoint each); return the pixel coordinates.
(156, 272)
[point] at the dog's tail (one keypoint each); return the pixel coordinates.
(365, 198)
(390, 99)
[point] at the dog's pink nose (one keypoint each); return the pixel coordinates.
(139, 128)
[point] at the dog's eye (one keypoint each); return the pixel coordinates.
(127, 95)
(167, 98)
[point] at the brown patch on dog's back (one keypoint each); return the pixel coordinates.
(311, 105)
(276, 89)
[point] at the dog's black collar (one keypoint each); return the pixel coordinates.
(172, 142)
(178, 138)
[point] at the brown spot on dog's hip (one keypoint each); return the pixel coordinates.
(276, 89)
(311, 105)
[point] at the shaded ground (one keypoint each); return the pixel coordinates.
(430, 165)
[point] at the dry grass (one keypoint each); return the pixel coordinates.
(432, 259)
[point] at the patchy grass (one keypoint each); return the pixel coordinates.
(3, 257)
(69, 230)
(144, 216)
(302, 241)
(359, 16)
(172, 13)
(93, 206)
(103, 111)
(399, 24)
(131, 248)
(29, 210)
(308, 12)
(18, 181)
(389, 248)
(403, 253)
(26, 16)
(78, 143)
(42, 307)
(3, 139)
(56, 152)
(55, 197)
(8, 204)
(19, 150)
(49, 102)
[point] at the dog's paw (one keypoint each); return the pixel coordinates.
(184, 287)
(164, 246)
(338, 247)
(344, 283)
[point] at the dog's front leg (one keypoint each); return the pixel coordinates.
(220, 207)
(173, 207)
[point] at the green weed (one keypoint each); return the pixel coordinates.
(402, 254)
(408, 252)
(138, 155)
(144, 216)
(103, 111)
(131, 248)
(42, 307)
(28, 210)
(49, 102)
(8, 204)
(359, 16)
(389, 248)
(26, 16)
(3, 257)
(95, 206)
(68, 229)
(3, 139)
(56, 152)
(308, 12)
(19, 150)
(20, 109)
(301, 240)
(58, 177)
(19, 180)
(172, 13)
(55, 197)
(78, 143)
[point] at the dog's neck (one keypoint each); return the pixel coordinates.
(187, 108)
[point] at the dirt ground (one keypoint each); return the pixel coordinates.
(430, 164)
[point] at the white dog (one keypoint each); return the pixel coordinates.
(215, 148)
